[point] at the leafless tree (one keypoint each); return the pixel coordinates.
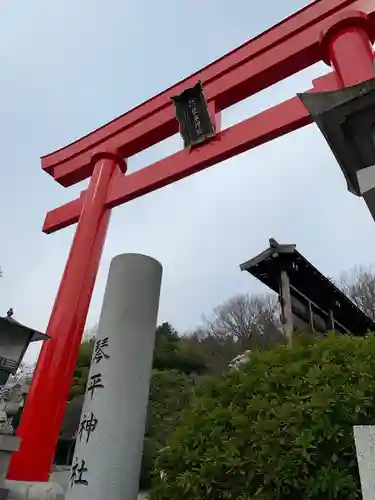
(247, 320)
(241, 323)
(359, 285)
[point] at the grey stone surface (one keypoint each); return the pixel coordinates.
(60, 475)
(107, 459)
(364, 436)
(19, 490)
(8, 444)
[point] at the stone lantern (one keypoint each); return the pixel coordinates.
(14, 341)
(15, 338)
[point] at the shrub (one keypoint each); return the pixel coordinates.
(278, 429)
(170, 393)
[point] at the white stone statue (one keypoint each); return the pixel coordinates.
(240, 360)
(11, 400)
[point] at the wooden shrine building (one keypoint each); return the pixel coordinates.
(309, 300)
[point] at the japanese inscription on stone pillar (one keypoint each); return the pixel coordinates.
(89, 423)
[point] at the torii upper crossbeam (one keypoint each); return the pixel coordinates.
(339, 32)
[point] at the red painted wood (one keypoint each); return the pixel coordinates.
(270, 124)
(43, 414)
(285, 49)
(351, 54)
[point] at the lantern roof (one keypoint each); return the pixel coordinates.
(35, 335)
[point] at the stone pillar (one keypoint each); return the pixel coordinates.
(107, 458)
(8, 445)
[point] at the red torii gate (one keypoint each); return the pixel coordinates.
(340, 32)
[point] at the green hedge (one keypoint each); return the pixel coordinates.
(280, 428)
(170, 393)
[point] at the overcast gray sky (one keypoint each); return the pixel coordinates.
(67, 67)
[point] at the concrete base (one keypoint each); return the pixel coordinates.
(8, 445)
(60, 475)
(19, 490)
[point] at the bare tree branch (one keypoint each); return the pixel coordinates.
(241, 323)
(359, 285)
(248, 321)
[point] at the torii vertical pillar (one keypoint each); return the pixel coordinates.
(347, 47)
(43, 414)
